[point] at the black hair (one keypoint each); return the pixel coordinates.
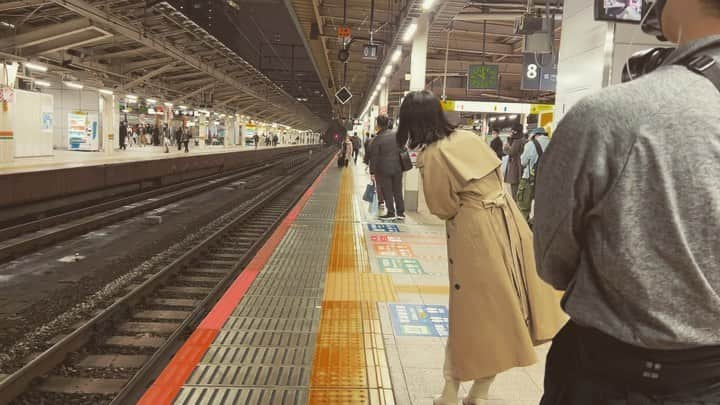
(495, 130)
(382, 122)
(422, 120)
(713, 6)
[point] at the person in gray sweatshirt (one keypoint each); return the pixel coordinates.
(627, 223)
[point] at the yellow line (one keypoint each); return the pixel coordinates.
(350, 366)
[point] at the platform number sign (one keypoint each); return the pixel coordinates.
(483, 77)
(540, 72)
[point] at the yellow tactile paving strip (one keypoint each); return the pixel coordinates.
(350, 366)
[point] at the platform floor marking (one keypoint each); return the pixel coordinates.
(350, 365)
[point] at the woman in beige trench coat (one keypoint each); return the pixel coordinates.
(499, 307)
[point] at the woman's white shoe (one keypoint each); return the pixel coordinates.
(473, 401)
(440, 400)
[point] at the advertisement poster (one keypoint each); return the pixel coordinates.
(83, 132)
(419, 320)
(47, 121)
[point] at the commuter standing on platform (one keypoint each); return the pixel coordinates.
(357, 144)
(385, 165)
(530, 157)
(186, 138)
(366, 160)
(497, 144)
(499, 307)
(256, 140)
(179, 137)
(514, 149)
(627, 224)
(123, 135)
(347, 151)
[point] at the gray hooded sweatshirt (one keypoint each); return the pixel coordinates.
(628, 209)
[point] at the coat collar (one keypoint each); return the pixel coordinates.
(708, 43)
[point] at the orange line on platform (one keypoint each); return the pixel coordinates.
(350, 365)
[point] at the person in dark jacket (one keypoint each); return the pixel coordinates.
(123, 135)
(496, 144)
(357, 144)
(385, 165)
(514, 149)
(366, 159)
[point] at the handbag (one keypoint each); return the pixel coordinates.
(369, 193)
(405, 162)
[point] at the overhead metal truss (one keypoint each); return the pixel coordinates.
(153, 52)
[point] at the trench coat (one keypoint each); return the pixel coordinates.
(514, 167)
(499, 307)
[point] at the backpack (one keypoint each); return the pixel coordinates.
(534, 169)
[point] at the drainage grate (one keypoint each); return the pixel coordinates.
(240, 396)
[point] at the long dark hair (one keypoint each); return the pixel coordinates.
(422, 120)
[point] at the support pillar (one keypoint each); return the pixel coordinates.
(7, 138)
(593, 53)
(418, 68)
(109, 123)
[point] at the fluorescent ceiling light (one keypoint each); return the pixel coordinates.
(7, 24)
(74, 85)
(396, 55)
(503, 117)
(427, 4)
(183, 107)
(409, 32)
(151, 100)
(168, 104)
(512, 117)
(383, 80)
(35, 66)
(130, 97)
(493, 119)
(42, 83)
(104, 91)
(388, 70)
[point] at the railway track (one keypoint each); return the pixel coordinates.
(30, 236)
(112, 357)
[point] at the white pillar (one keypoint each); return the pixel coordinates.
(7, 136)
(418, 55)
(383, 99)
(418, 67)
(592, 53)
(109, 123)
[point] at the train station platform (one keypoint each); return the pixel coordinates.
(65, 159)
(337, 308)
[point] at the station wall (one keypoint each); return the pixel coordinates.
(33, 124)
(67, 101)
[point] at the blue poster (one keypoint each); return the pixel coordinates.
(419, 319)
(383, 228)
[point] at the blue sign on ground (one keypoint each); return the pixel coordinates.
(400, 266)
(419, 320)
(383, 228)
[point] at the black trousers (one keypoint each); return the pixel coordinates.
(583, 369)
(392, 191)
(355, 155)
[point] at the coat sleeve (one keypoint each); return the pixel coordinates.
(440, 195)
(573, 178)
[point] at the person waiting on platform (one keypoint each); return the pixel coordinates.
(530, 158)
(627, 220)
(514, 149)
(497, 144)
(499, 307)
(347, 151)
(386, 169)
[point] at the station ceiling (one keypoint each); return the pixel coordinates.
(479, 31)
(151, 49)
(275, 60)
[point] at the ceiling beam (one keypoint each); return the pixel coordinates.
(146, 76)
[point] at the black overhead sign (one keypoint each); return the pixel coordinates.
(343, 95)
(539, 72)
(370, 52)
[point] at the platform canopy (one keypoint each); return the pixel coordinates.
(145, 48)
(465, 32)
